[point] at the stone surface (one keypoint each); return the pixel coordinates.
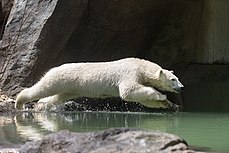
(112, 140)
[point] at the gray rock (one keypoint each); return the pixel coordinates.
(34, 34)
(120, 140)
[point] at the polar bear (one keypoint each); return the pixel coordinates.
(132, 79)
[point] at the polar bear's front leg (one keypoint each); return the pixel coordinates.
(147, 96)
(139, 92)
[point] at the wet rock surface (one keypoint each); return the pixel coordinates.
(93, 104)
(120, 140)
(6, 103)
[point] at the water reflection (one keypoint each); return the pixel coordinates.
(8, 132)
(33, 126)
(208, 130)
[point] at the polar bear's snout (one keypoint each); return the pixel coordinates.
(179, 87)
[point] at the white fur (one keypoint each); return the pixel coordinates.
(131, 79)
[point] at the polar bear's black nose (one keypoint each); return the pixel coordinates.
(179, 89)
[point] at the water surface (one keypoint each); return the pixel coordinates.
(208, 131)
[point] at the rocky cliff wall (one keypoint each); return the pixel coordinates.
(40, 34)
(212, 41)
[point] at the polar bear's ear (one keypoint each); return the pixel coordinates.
(162, 74)
(171, 71)
(159, 74)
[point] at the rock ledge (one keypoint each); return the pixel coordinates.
(118, 140)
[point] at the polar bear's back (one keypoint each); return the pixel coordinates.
(98, 71)
(98, 77)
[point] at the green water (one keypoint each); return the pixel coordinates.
(208, 131)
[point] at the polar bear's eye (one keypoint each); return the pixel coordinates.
(173, 79)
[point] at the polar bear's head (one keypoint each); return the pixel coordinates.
(167, 81)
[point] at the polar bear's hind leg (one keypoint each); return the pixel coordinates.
(50, 101)
(44, 88)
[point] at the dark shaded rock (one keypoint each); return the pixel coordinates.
(207, 88)
(6, 6)
(111, 140)
(111, 104)
(115, 29)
